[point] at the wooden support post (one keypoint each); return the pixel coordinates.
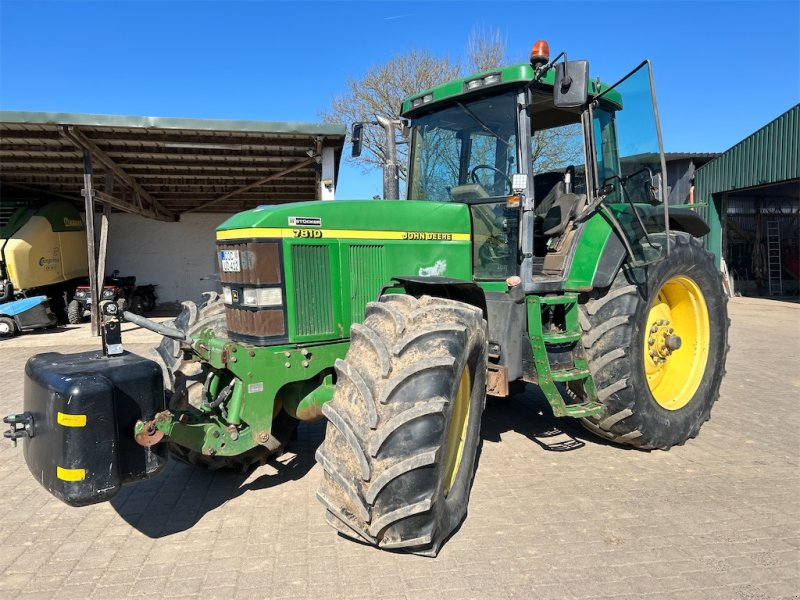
(101, 255)
(88, 197)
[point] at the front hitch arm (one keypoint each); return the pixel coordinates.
(20, 426)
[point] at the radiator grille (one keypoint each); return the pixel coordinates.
(367, 275)
(312, 290)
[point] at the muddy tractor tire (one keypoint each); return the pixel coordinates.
(184, 381)
(74, 313)
(657, 350)
(404, 423)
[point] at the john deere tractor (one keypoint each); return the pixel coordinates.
(536, 246)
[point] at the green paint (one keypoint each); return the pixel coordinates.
(368, 215)
(588, 253)
(493, 286)
(259, 374)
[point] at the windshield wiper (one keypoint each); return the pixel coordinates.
(477, 119)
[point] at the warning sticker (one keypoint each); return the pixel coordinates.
(305, 221)
(229, 260)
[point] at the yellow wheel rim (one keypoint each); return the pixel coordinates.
(457, 432)
(676, 343)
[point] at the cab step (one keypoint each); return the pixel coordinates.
(584, 409)
(561, 337)
(577, 369)
(570, 374)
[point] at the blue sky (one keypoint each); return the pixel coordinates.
(722, 69)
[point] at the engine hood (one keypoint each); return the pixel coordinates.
(372, 219)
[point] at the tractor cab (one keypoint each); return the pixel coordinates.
(541, 154)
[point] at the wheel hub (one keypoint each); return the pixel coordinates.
(676, 342)
(662, 341)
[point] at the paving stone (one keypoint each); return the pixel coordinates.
(716, 518)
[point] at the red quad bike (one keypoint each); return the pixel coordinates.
(123, 290)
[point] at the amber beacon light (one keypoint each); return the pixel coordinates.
(540, 53)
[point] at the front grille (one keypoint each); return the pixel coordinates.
(257, 265)
(367, 276)
(259, 323)
(312, 290)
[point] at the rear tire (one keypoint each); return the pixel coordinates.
(404, 424)
(618, 338)
(75, 313)
(183, 383)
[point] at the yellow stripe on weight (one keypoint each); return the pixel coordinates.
(71, 420)
(70, 474)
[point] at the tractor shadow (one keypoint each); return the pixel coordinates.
(179, 498)
(529, 414)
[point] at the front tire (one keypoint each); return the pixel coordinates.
(657, 395)
(404, 424)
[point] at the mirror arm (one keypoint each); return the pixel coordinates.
(542, 70)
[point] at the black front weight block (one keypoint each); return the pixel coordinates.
(80, 412)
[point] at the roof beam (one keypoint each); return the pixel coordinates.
(250, 186)
(129, 207)
(157, 211)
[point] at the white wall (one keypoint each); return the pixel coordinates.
(172, 255)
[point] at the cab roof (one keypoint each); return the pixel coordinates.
(477, 82)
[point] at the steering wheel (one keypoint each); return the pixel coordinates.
(473, 174)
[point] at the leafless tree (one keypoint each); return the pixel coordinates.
(384, 86)
(380, 92)
(486, 49)
(553, 149)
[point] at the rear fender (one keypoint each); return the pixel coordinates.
(600, 253)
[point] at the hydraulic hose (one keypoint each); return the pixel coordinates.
(158, 328)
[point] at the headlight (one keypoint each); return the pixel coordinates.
(227, 297)
(80, 294)
(262, 297)
(108, 293)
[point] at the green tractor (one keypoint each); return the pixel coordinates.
(536, 246)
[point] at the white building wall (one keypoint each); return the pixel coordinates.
(173, 256)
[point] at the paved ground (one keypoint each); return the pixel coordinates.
(717, 518)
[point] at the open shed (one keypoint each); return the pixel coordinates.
(162, 184)
(753, 195)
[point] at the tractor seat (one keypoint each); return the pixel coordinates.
(556, 209)
(558, 216)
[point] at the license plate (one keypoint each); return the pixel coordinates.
(229, 259)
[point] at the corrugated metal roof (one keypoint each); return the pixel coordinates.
(770, 155)
(684, 155)
(179, 163)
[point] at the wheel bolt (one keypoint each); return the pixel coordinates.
(651, 341)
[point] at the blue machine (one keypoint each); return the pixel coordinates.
(25, 314)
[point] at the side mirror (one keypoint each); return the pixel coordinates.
(572, 84)
(356, 139)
